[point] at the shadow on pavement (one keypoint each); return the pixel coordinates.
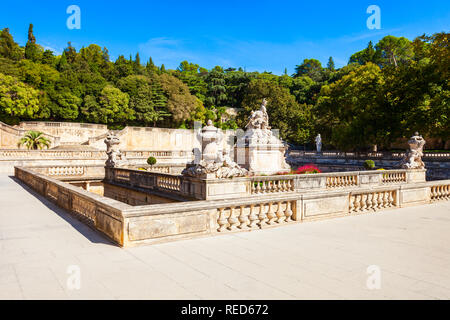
(88, 232)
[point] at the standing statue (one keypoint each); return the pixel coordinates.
(213, 163)
(413, 158)
(115, 157)
(318, 143)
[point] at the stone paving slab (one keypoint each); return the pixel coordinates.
(317, 260)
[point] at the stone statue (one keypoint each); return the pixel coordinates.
(260, 151)
(318, 143)
(259, 119)
(213, 163)
(115, 157)
(413, 158)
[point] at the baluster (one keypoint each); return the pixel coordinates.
(270, 214)
(252, 217)
(363, 202)
(243, 218)
(369, 201)
(375, 201)
(380, 200)
(258, 187)
(276, 185)
(232, 220)
(357, 203)
(288, 212)
(269, 186)
(253, 187)
(385, 199)
(351, 203)
(391, 198)
(261, 216)
(222, 221)
(433, 193)
(263, 186)
(280, 213)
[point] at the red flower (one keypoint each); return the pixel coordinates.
(309, 168)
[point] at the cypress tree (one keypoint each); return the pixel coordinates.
(31, 49)
(330, 64)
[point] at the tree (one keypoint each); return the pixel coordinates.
(34, 140)
(180, 103)
(8, 48)
(216, 87)
(17, 100)
(311, 68)
(330, 64)
(284, 112)
(66, 106)
(353, 113)
(395, 50)
(141, 92)
(33, 51)
(367, 55)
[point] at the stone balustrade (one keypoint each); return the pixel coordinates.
(366, 155)
(343, 180)
(393, 177)
(372, 201)
(209, 189)
(142, 224)
(261, 185)
(255, 215)
(440, 191)
(66, 172)
(12, 154)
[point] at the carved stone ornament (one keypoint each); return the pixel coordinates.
(413, 158)
(115, 157)
(214, 164)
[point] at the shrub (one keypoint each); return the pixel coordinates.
(369, 164)
(306, 169)
(151, 161)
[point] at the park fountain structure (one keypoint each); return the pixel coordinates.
(215, 195)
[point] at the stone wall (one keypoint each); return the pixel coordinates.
(10, 136)
(68, 132)
(131, 138)
(272, 202)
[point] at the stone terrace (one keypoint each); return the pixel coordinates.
(318, 260)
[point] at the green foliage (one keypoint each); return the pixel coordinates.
(387, 91)
(369, 164)
(17, 100)
(151, 161)
(284, 112)
(34, 140)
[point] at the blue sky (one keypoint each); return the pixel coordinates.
(256, 35)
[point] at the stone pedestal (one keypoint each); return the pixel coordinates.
(266, 159)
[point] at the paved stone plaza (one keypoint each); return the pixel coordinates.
(316, 260)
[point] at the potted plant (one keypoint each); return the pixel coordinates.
(151, 161)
